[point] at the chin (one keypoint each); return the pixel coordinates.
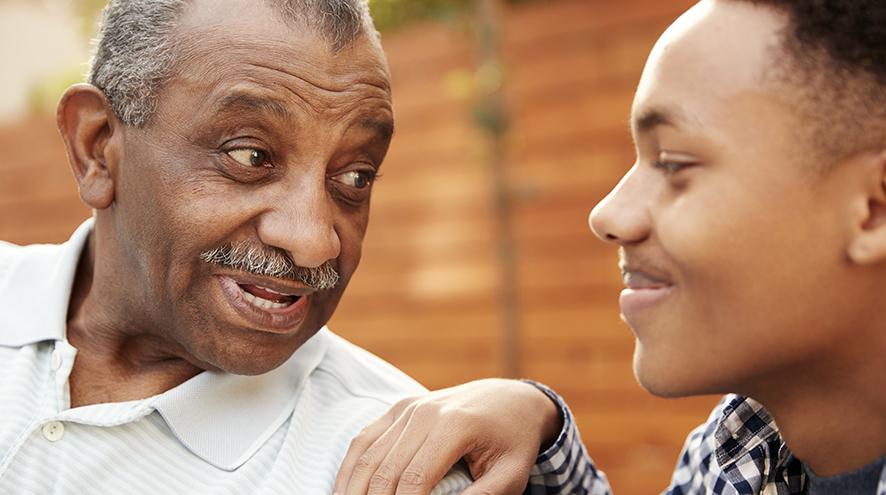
(252, 358)
(253, 368)
(673, 377)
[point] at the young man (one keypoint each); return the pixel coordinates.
(752, 237)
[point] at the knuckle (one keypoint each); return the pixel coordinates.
(361, 441)
(364, 463)
(383, 478)
(413, 478)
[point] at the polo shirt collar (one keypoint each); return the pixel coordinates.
(36, 289)
(222, 418)
(225, 418)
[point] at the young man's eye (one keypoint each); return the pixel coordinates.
(358, 179)
(670, 167)
(250, 157)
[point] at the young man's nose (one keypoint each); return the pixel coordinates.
(622, 217)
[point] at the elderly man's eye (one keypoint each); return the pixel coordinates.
(359, 179)
(250, 157)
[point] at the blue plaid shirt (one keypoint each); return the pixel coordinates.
(738, 451)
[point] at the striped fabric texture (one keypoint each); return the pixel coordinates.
(282, 432)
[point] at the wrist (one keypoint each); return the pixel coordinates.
(551, 414)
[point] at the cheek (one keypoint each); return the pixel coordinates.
(350, 225)
(191, 214)
(723, 248)
(752, 265)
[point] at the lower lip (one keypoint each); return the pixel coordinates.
(277, 320)
(635, 301)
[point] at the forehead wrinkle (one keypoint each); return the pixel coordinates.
(252, 102)
(347, 84)
(202, 52)
(329, 95)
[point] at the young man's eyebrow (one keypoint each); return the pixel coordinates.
(253, 103)
(649, 119)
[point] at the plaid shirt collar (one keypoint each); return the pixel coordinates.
(745, 431)
(744, 425)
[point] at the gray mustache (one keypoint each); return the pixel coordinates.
(269, 262)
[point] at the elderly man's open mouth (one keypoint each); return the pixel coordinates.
(277, 305)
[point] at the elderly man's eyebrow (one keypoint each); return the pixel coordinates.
(383, 127)
(254, 103)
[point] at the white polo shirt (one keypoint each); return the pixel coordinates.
(282, 432)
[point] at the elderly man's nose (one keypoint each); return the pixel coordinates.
(304, 226)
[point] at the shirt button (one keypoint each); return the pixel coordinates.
(54, 431)
(56, 360)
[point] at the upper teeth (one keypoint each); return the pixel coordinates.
(272, 291)
(261, 302)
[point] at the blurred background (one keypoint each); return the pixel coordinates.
(511, 124)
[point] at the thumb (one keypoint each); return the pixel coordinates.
(506, 477)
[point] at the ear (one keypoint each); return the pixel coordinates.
(868, 244)
(87, 125)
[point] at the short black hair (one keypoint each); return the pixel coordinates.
(836, 51)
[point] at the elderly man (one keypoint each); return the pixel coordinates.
(752, 236)
(175, 344)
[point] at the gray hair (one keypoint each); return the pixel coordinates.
(136, 47)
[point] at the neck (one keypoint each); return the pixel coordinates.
(832, 415)
(119, 356)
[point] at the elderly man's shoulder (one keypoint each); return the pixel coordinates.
(363, 374)
(371, 385)
(14, 257)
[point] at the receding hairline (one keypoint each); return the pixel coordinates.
(338, 33)
(141, 44)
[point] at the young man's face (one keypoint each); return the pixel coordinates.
(733, 247)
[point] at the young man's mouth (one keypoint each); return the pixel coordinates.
(642, 290)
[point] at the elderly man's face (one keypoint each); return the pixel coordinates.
(265, 140)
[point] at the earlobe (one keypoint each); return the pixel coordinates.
(87, 124)
(868, 245)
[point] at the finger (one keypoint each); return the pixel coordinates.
(367, 463)
(508, 476)
(368, 436)
(440, 451)
(384, 480)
